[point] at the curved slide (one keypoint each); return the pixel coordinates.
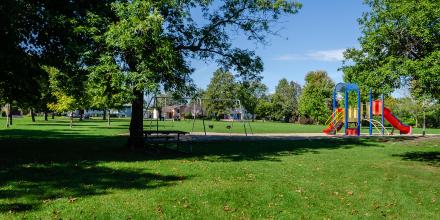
(404, 129)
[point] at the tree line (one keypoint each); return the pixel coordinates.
(290, 102)
(308, 104)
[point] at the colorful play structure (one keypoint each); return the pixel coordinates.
(350, 118)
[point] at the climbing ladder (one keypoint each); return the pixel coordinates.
(379, 126)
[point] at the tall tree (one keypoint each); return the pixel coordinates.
(221, 93)
(399, 46)
(62, 101)
(285, 100)
(316, 96)
(153, 41)
(39, 32)
(264, 109)
(249, 93)
(106, 87)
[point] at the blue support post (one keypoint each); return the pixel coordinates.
(335, 106)
(370, 130)
(346, 110)
(359, 113)
(383, 110)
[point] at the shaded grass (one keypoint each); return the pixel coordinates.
(51, 171)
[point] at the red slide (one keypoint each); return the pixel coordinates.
(404, 129)
(331, 128)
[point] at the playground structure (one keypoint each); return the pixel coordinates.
(351, 117)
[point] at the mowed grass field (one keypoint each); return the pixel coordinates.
(48, 170)
(120, 125)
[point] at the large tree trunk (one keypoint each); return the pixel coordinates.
(31, 111)
(53, 115)
(7, 115)
(108, 118)
(81, 114)
(104, 112)
(45, 115)
(10, 114)
(424, 123)
(136, 139)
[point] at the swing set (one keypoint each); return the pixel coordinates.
(158, 115)
(236, 102)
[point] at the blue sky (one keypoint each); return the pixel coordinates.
(313, 39)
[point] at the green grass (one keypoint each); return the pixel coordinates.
(255, 127)
(51, 171)
(121, 126)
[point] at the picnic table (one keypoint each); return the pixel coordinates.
(164, 136)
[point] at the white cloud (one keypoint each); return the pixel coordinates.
(320, 55)
(327, 55)
(289, 57)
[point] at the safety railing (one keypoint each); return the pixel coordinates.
(335, 117)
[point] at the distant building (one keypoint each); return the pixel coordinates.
(176, 112)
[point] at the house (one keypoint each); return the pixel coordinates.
(177, 112)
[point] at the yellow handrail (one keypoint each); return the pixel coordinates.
(338, 117)
(376, 123)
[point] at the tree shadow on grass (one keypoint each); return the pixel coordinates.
(43, 183)
(38, 166)
(430, 157)
(59, 165)
(17, 207)
(269, 150)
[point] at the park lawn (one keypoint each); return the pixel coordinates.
(120, 125)
(52, 171)
(254, 127)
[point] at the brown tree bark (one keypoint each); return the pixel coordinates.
(31, 111)
(53, 115)
(108, 118)
(10, 114)
(81, 114)
(7, 115)
(104, 113)
(136, 139)
(45, 115)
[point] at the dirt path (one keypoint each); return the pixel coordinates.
(200, 136)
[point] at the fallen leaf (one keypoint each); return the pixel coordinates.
(159, 209)
(350, 193)
(226, 208)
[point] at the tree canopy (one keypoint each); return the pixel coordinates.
(221, 94)
(316, 96)
(399, 47)
(285, 100)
